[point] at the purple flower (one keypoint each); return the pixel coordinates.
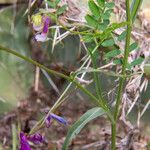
(36, 138)
(48, 121)
(41, 24)
(24, 140)
(56, 117)
(24, 145)
(46, 24)
(37, 22)
(41, 37)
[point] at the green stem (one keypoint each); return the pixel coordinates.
(96, 76)
(121, 81)
(134, 8)
(70, 79)
(113, 139)
(125, 61)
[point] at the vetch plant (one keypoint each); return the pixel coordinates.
(41, 24)
(24, 140)
(98, 33)
(58, 118)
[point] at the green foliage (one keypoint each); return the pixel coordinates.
(61, 10)
(112, 54)
(106, 14)
(57, 1)
(109, 30)
(134, 8)
(55, 5)
(122, 36)
(137, 61)
(80, 124)
(100, 14)
(87, 38)
(118, 61)
(107, 43)
(110, 5)
(91, 21)
(95, 10)
(103, 26)
(101, 3)
(133, 46)
(51, 4)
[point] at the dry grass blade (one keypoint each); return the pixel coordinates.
(145, 108)
(3, 100)
(54, 39)
(64, 35)
(27, 10)
(50, 81)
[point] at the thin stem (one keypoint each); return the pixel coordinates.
(134, 8)
(113, 138)
(121, 81)
(96, 76)
(70, 79)
(125, 61)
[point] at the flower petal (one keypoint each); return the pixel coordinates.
(36, 138)
(37, 21)
(48, 121)
(42, 37)
(46, 24)
(37, 28)
(59, 119)
(24, 145)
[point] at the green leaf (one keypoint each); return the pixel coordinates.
(134, 8)
(113, 27)
(133, 46)
(83, 120)
(91, 21)
(122, 36)
(51, 4)
(109, 11)
(106, 15)
(112, 53)
(136, 62)
(101, 3)
(104, 25)
(94, 9)
(57, 1)
(108, 43)
(61, 9)
(118, 61)
(87, 38)
(110, 5)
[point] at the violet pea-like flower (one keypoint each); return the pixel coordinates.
(36, 138)
(24, 145)
(24, 140)
(55, 117)
(41, 24)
